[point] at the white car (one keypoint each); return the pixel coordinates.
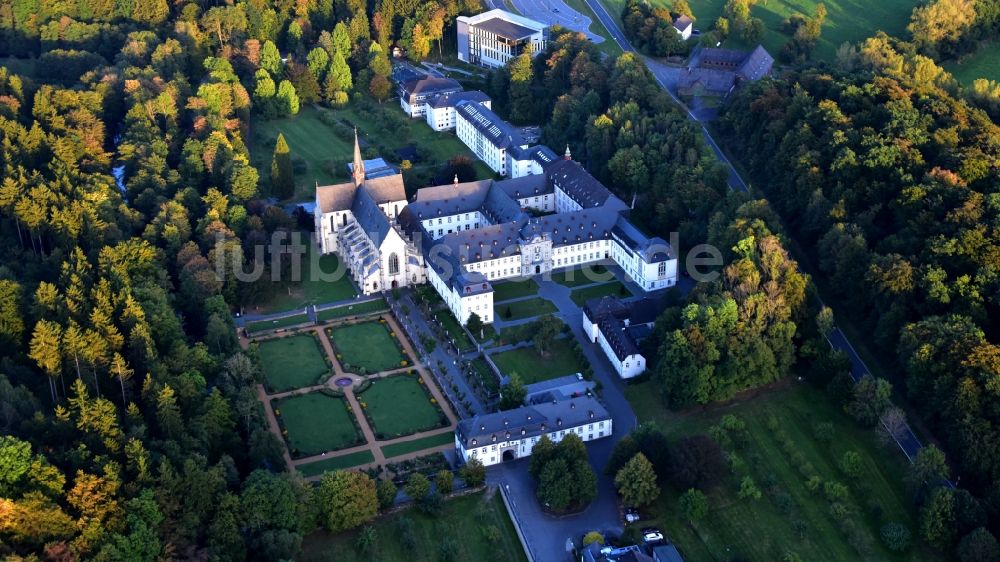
(651, 536)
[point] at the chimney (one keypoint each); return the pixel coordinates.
(567, 155)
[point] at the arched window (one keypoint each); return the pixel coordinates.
(393, 264)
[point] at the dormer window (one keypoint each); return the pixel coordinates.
(494, 438)
(475, 442)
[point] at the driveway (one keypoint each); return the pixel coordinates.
(546, 535)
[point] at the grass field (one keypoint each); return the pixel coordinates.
(322, 281)
(846, 20)
(292, 362)
(455, 331)
(581, 296)
(317, 423)
(532, 367)
(481, 370)
(984, 63)
(460, 529)
(367, 345)
(399, 405)
(326, 153)
(523, 309)
(367, 307)
(607, 46)
(266, 326)
(507, 290)
(336, 463)
(574, 277)
(417, 445)
(765, 529)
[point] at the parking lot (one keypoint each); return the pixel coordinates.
(556, 12)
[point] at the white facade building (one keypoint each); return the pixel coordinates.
(492, 38)
(618, 328)
(440, 111)
(684, 26)
(415, 93)
(512, 434)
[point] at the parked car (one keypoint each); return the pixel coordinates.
(631, 515)
(652, 536)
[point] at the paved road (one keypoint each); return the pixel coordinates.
(556, 12)
(546, 535)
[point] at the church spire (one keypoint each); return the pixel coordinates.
(567, 155)
(359, 163)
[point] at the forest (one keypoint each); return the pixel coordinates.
(887, 174)
(130, 425)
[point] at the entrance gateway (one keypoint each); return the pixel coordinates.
(508, 455)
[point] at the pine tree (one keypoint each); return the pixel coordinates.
(341, 40)
(45, 350)
(270, 58)
(282, 176)
(287, 99)
(636, 481)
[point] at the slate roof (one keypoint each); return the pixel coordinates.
(652, 249)
(337, 197)
(371, 219)
(623, 324)
(505, 28)
(718, 81)
(529, 421)
(428, 85)
(757, 64)
(666, 553)
(525, 186)
(498, 132)
(582, 187)
(484, 195)
(682, 22)
(451, 98)
(539, 153)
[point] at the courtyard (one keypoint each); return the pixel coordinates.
(367, 347)
(532, 367)
(317, 423)
(399, 405)
(292, 362)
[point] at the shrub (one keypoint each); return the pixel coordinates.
(851, 464)
(592, 537)
(823, 431)
(749, 489)
(814, 483)
(366, 539)
(978, 546)
(694, 503)
(834, 491)
(895, 536)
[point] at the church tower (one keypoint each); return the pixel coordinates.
(359, 163)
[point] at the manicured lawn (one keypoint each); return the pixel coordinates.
(326, 149)
(514, 289)
(581, 296)
(523, 309)
(266, 326)
(292, 362)
(418, 445)
(454, 330)
(846, 20)
(984, 63)
(367, 345)
(764, 530)
(323, 280)
(562, 360)
(336, 463)
(587, 275)
(317, 423)
(481, 370)
(463, 525)
(367, 307)
(399, 405)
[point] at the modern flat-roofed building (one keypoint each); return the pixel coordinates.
(493, 38)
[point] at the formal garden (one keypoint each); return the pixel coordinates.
(562, 358)
(616, 289)
(367, 347)
(317, 422)
(514, 289)
(802, 478)
(400, 405)
(341, 462)
(523, 309)
(412, 446)
(292, 362)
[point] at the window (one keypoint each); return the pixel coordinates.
(393, 264)
(663, 268)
